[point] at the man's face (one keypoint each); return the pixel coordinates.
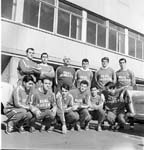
(94, 91)
(64, 92)
(47, 84)
(85, 65)
(105, 63)
(122, 64)
(66, 61)
(28, 85)
(83, 87)
(44, 59)
(30, 54)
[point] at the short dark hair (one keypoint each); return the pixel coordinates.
(28, 78)
(122, 59)
(110, 85)
(105, 58)
(44, 54)
(93, 87)
(29, 49)
(84, 82)
(65, 86)
(85, 60)
(46, 78)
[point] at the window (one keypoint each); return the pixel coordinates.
(116, 38)
(63, 23)
(69, 21)
(101, 36)
(30, 16)
(112, 39)
(131, 46)
(139, 49)
(39, 14)
(46, 17)
(91, 32)
(6, 8)
(121, 43)
(96, 30)
(76, 25)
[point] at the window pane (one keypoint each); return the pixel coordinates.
(91, 32)
(139, 49)
(30, 15)
(63, 23)
(131, 46)
(112, 40)
(121, 43)
(101, 38)
(6, 6)
(114, 26)
(76, 26)
(46, 17)
(70, 8)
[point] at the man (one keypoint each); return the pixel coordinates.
(124, 76)
(27, 66)
(64, 109)
(81, 97)
(18, 108)
(46, 70)
(104, 74)
(43, 104)
(65, 74)
(115, 106)
(84, 73)
(96, 106)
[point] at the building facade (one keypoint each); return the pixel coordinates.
(74, 28)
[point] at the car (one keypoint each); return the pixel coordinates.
(137, 104)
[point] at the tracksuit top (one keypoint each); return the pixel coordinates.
(28, 66)
(103, 76)
(80, 97)
(82, 74)
(43, 100)
(46, 71)
(65, 75)
(125, 78)
(19, 98)
(64, 103)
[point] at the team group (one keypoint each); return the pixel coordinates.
(75, 100)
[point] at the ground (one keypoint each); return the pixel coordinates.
(105, 140)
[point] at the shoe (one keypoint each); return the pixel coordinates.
(49, 129)
(9, 127)
(77, 127)
(42, 128)
(21, 129)
(86, 128)
(32, 129)
(64, 129)
(99, 128)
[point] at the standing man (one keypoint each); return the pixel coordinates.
(43, 104)
(104, 74)
(65, 74)
(124, 76)
(18, 108)
(46, 70)
(27, 66)
(65, 113)
(81, 103)
(84, 73)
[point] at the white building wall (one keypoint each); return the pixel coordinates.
(126, 12)
(20, 37)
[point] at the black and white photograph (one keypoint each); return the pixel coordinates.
(72, 74)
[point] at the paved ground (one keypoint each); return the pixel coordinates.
(105, 140)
